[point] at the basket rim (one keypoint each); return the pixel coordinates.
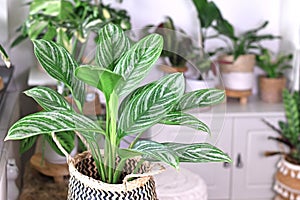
(141, 179)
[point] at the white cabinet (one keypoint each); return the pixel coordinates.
(245, 138)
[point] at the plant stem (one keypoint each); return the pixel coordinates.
(135, 140)
(119, 170)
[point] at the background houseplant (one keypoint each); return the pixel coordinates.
(238, 58)
(287, 178)
(177, 45)
(272, 84)
(117, 74)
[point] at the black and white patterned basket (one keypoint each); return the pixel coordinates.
(84, 182)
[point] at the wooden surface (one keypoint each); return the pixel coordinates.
(57, 171)
(241, 95)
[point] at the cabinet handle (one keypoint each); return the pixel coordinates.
(226, 165)
(239, 163)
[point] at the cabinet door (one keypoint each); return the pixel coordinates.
(216, 175)
(252, 171)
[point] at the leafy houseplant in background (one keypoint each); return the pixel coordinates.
(177, 45)
(120, 67)
(238, 58)
(272, 84)
(6, 60)
(70, 24)
(287, 178)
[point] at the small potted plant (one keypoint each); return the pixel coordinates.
(106, 168)
(273, 82)
(238, 58)
(287, 178)
(177, 45)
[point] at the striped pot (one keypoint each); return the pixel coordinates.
(287, 180)
(84, 182)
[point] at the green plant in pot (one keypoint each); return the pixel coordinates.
(238, 58)
(177, 45)
(273, 82)
(130, 110)
(287, 177)
(71, 24)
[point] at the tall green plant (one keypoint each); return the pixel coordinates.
(4, 56)
(289, 131)
(120, 67)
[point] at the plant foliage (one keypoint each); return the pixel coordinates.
(274, 67)
(130, 110)
(289, 130)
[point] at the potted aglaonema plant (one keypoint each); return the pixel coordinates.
(121, 173)
(273, 82)
(287, 177)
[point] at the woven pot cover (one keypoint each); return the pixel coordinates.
(84, 182)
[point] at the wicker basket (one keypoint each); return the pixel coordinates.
(287, 180)
(85, 183)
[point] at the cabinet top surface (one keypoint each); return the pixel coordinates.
(254, 108)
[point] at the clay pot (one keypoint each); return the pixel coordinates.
(238, 74)
(287, 180)
(271, 89)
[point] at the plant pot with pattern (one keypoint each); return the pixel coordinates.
(106, 169)
(272, 84)
(287, 177)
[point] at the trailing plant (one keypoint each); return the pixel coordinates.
(289, 130)
(248, 42)
(273, 66)
(130, 110)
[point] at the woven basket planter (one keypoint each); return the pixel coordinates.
(271, 88)
(85, 182)
(287, 180)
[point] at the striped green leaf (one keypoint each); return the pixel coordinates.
(66, 139)
(26, 144)
(59, 64)
(137, 62)
(200, 98)
(198, 152)
(53, 121)
(151, 105)
(184, 119)
(101, 78)
(48, 99)
(111, 45)
(4, 56)
(154, 151)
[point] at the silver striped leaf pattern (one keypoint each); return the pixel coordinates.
(112, 44)
(200, 98)
(52, 121)
(154, 151)
(48, 99)
(184, 119)
(151, 105)
(198, 152)
(59, 64)
(137, 62)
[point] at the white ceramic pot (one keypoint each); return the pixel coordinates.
(238, 80)
(192, 84)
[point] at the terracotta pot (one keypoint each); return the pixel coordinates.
(84, 182)
(287, 180)
(271, 88)
(1, 83)
(238, 74)
(172, 69)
